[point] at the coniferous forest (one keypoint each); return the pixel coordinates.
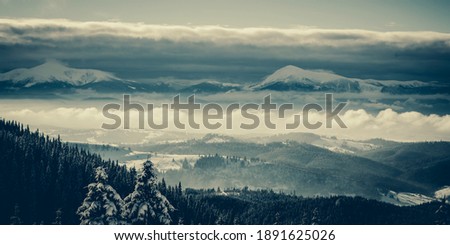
(40, 176)
(46, 181)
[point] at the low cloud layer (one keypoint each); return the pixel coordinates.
(28, 31)
(387, 124)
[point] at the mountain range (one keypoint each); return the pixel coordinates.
(306, 163)
(54, 76)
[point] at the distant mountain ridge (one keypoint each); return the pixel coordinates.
(55, 71)
(54, 76)
(295, 78)
(292, 78)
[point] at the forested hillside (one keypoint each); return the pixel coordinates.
(41, 175)
(266, 207)
(46, 181)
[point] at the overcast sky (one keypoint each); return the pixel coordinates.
(382, 15)
(237, 41)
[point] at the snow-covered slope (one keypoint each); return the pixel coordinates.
(216, 138)
(408, 199)
(405, 198)
(346, 146)
(293, 73)
(55, 71)
(298, 79)
(443, 193)
(295, 78)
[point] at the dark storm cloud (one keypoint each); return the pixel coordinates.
(247, 54)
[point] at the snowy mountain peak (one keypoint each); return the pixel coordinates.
(51, 64)
(298, 79)
(56, 71)
(289, 73)
(292, 78)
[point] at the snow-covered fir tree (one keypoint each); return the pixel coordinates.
(443, 213)
(102, 205)
(146, 205)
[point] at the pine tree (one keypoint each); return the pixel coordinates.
(58, 218)
(180, 221)
(277, 218)
(146, 205)
(163, 187)
(102, 205)
(185, 164)
(15, 219)
(179, 189)
(315, 220)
